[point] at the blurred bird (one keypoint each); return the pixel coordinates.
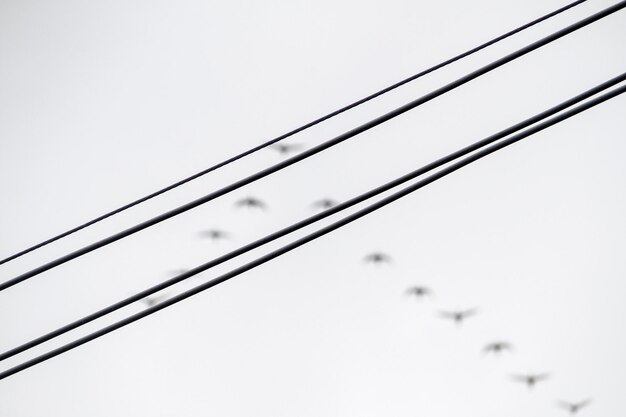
(573, 408)
(458, 316)
(151, 301)
(179, 271)
(214, 234)
(251, 202)
(497, 347)
(377, 258)
(531, 379)
(324, 203)
(419, 292)
(285, 148)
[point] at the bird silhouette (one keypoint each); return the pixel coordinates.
(419, 291)
(497, 347)
(214, 234)
(286, 148)
(251, 202)
(155, 299)
(324, 203)
(377, 258)
(530, 379)
(573, 408)
(458, 316)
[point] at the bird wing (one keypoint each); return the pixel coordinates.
(286, 147)
(371, 257)
(212, 233)
(293, 146)
(489, 347)
(258, 203)
(447, 314)
(492, 346)
(378, 256)
(519, 378)
(565, 405)
(250, 202)
(324, 203)
(419, 291)
(158, 298)
(470, 312)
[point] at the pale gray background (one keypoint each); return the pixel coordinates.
(104, 101)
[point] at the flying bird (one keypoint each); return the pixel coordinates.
(418, 291)
(497, 347)
(531, 379)
(324, 203)
(284, 148)
(377, 258)
(151, 301)
(214, 234)
(251, 202)
(458, 316)
(573, 408)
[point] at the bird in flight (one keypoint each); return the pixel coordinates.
(573, 408)
(497, 347)
(324, 203)
(377, 258)
(419, 291)
(530, 379)
(251, 202)
(179, 271)
(285, 148)
(458, 316)
(155, 299)
(214, 234)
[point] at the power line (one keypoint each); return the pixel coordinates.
(319, 148)
(313, 219)
(312, 236)
(291, 133)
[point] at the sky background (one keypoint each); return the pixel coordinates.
(102, 102)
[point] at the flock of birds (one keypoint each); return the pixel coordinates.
(496, 347)
(380, 258)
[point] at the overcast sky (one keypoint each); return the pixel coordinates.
(102, 102)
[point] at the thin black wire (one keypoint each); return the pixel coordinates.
(332, 142)
(292, 132)
(313, 219)
(312, 236)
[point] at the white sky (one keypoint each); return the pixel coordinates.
(103, 102)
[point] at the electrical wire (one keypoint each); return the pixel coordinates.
(312, 236)
(313, 219)
(319, 148)
(291, 133)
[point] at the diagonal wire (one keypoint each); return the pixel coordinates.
(290, 133)
(319, 148)
(312, 236)
(312, 219)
